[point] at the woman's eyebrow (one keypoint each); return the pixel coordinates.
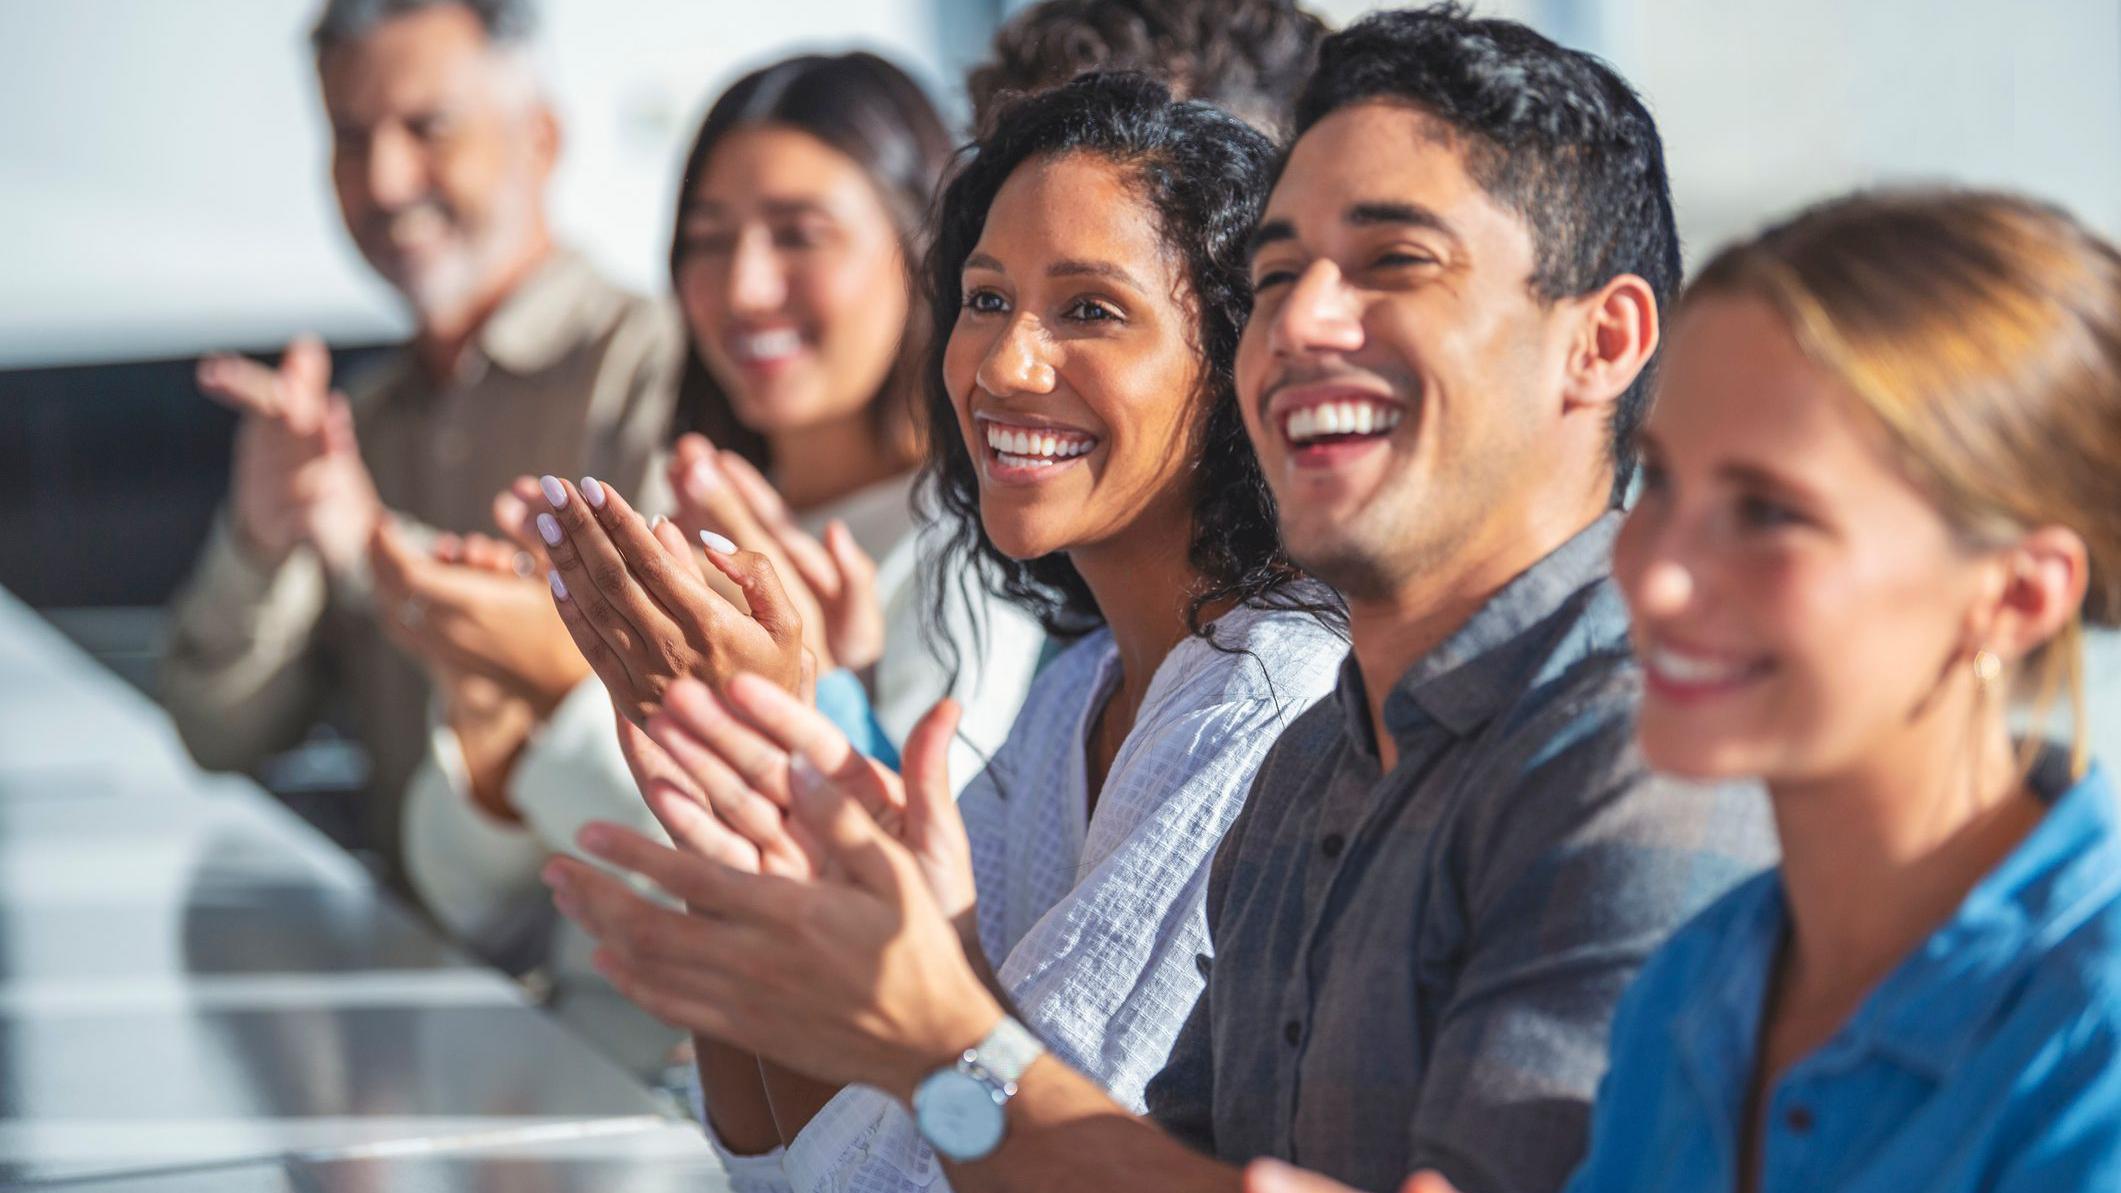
(1108, 270)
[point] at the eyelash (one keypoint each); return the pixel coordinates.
(1759, 513)
(1082, 310)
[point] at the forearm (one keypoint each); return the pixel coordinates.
(1065, 1135)
(733, 1094)
(237, 677)
(967, 925)
(794, 1098)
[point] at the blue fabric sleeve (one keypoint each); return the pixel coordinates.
(843, 700)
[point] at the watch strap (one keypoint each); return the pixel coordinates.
(1006, 1051)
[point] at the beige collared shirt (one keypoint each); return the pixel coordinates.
(571, 375)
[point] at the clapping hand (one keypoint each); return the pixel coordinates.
(856, 974)
(297, 475)
(832, 582)
(470, 607)
(640, 609)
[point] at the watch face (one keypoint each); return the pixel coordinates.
(960, 1115)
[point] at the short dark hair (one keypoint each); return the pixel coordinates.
(1552, 134)
(875, 114)
(1205, 174)
(507, 22)
(1246, 57)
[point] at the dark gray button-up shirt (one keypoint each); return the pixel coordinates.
(1418, 969)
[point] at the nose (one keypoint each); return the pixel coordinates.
(1319, 314)
(395, 172)
(757, 283)
(1016, 362)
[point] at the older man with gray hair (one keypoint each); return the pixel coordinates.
(523, 360)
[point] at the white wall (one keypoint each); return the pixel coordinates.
(1767, 104)
(162, 162)
(162, 185)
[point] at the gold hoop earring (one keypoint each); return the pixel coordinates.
(1987, 667)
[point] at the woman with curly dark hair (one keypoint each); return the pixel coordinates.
(1088, 278)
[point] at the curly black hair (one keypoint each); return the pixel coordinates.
(870, 110)
(1246, 57)
(1204, 173)
(1553, 134)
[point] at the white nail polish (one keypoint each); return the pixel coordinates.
(803, 774)
(716, 543)
(559, 586)
(592, 492)
(554, 491)
(549, 529)
(703, 479)
(656, 523)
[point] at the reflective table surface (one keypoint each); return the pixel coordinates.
(199, 992)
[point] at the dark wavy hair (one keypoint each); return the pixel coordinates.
(1552, 134)
(1204, 174)
(1246, 57)
(875, 114)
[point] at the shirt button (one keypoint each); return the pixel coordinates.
(1293, 1032)
(1201, 962)
(1333, 844)
(1798, 1119)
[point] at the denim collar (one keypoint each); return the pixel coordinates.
(1937, 1005)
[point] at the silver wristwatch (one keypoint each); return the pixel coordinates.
(962, 1111)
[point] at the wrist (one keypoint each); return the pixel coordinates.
(960, 1034)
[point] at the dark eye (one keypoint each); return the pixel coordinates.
(985, 302)
(798, 236)
(1089, 310)
(1761, 513)
(1273, 278)
(434, 126)
(1401, 259)
(707, 244)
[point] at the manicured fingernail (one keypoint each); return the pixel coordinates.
(716, 543)
(703, 479)
(559, 586)
(549, 529)
(555, 492)
(555, 876)
(656, 523)
(803, 774)
(592, 492)
(593, 838)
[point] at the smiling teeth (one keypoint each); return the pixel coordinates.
(1693, 669)
(1342, 418)
(769, 345)
(1021, 448)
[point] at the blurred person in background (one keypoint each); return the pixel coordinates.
(523, 358)
(1247, 57)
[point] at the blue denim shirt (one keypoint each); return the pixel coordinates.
(1986, 1061)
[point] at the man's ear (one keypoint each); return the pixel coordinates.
(546, 137)
(1616, 334)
